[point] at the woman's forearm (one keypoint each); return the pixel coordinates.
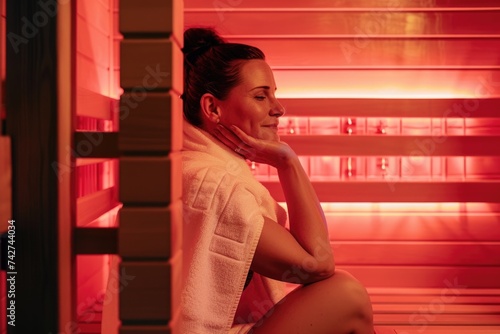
(306, 217)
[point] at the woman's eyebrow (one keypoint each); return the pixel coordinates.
(262, 87)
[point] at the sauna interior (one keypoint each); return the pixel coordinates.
(392, 105)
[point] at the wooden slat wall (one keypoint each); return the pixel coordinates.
(407, 61)
(150, 189)
(96, 189)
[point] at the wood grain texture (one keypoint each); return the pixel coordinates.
(32, 116)
(150, 233)
(150, 180)
(151, 124)
(149, 294)
(146, 65)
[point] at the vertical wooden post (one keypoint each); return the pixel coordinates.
(34, 111)
(150, 183)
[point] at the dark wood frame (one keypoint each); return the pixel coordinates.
(32, 123)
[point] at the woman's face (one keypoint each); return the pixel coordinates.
(251, 105)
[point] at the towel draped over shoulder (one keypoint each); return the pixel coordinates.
(223, 212)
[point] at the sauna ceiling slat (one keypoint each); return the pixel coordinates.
(263, 22)
(341, 4)
(377, 53)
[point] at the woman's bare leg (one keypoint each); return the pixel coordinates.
(336, 305)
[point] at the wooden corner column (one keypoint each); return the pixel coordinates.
(150, 139)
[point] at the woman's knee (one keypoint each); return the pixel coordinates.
(347, 290)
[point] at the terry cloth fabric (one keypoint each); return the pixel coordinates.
(224, 209)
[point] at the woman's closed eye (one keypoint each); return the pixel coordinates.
(260, 97)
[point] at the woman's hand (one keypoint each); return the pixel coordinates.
(275, 153)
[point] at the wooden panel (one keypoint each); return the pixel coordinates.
(401, 83)
(150, 180)
(96, 240)
(146, 330)
(414, 226)
(5, 183)
(150, 233)
(90, 144)
(386, 107)
(468, 253)
(438, 320)
(154, 17)
(92, 76)
(314, 145)
(399, 191)
(146, 65)
(93, 104)
(148, 295)
(95, 14)
(150, 124)
(469, 328)
(377, 53)
(321, 4)
(89, 208)
(441, 277)
(32, 80)
(333, 21)
(92, 42)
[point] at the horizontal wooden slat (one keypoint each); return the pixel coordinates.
(91, 161)
(377, 53)
(469, 328)
(383, 145)
(94, 104)
(441, 277)
(387, 107)
(417, 253)
(377, 225)
(396, 191)
(438, 319)
(453, 309)
(90, 41)
(96, 240)
(467, 296)
(90, 144)
(333, 21)
(379, 4)
(387, 83)
(92, 206)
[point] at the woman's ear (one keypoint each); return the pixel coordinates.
(209, 108)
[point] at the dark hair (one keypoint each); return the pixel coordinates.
(211, 65)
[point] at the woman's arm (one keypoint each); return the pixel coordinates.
(303, 254)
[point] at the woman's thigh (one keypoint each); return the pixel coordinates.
(338, 304)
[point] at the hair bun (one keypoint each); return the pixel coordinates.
(199, 40)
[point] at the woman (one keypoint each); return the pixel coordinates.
(237, 252)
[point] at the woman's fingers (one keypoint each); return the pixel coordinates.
(231, 140)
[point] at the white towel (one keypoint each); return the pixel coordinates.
(224, 209)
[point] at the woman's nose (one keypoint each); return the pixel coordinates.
(278, 110)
